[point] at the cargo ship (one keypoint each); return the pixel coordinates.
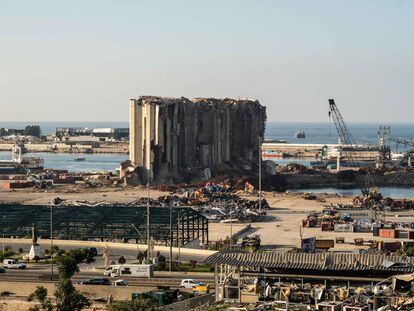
(300, 134)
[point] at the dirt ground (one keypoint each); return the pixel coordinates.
(46, 196)
(280, 228)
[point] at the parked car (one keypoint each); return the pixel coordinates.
(2, 270)
(13, 264)
(94, 281)
(120, 282)
(190, 283)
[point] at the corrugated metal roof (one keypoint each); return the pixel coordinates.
(318, 261)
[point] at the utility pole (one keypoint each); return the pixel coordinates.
(178, 236)
(148, 224)
(231, 229)
(260, 174)
(51, 239)
(171, 238)
(2, 231)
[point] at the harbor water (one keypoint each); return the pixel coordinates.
(66, 161)
(316, 132)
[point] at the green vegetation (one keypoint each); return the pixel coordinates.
(8, 253)
(409, 251)
(122, 260)
(33, 130)
(40, 294)
(139, 304)
(67, 297)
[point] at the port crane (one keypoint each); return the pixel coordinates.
(383, 133)
(345, 136)
(346, 140)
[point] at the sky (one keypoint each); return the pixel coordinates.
(83, 60)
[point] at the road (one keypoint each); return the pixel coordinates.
(38, 273)
(126, 250)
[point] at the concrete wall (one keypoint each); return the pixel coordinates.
(177, 138)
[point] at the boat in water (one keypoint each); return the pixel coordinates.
(300, 134)
(78, 159)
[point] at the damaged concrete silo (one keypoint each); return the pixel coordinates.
(178, 139)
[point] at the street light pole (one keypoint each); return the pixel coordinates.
(51, 238)
(260, 174)
(178, 236)
(231, 229)
(2, 231)
(171, 238)
(148, 224)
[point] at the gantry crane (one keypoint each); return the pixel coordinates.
(384, 132)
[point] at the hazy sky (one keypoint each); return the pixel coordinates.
(83, 60)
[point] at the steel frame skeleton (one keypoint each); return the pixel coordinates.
(105, 223)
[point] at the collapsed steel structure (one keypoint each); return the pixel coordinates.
(113, 222)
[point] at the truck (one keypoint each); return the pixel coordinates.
(143, 271)
(13, 264)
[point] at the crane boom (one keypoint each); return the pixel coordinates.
(344, 133)
(401, 141)
(346, 140)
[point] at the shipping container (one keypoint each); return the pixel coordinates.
(363, 228)
(387, 233)
(344, 228)
(391, 246)
(7, 185)
(325, 243)
(401, 233)
(68, 180)
(356, 214)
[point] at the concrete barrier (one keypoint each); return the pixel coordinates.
(80, 244)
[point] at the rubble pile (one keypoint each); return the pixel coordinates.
(374, 200)
(394, 293)
(295, 168)
(215, 201)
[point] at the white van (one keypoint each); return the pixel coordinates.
(143, 271)
(13, 264)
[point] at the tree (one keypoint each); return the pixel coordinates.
(2, 132)
(33, 130)
(40, 294)
(89, 256)
(162, 262)
(122, 260)
(140, 257)
(67, 297)
(8, 252)
(138, 304)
